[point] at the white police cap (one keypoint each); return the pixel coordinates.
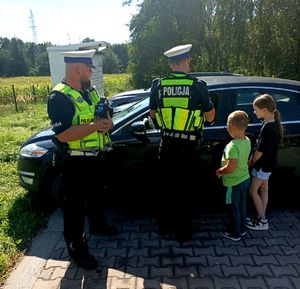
(80, 56)
(178, 52)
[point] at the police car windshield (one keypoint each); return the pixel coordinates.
(130, 110)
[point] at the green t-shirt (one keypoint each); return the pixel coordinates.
(237, 149)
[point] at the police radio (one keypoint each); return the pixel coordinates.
(102, 107)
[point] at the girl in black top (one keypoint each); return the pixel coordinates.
(264, 158)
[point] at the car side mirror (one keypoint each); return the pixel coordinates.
(139, 131)
(138, 128)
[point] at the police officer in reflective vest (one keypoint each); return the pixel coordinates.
(71, 109)
(180, 105)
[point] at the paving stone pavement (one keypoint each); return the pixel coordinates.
(138, 258)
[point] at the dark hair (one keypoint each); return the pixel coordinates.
(267, 101)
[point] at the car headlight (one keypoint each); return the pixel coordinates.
(32, 151)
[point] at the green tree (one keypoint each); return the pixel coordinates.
(18, 63)
(254, 37)
(110, 61)
(121, 51)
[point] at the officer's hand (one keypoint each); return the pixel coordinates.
(104, 124)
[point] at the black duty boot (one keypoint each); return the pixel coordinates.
(78, 251)
(184, 232)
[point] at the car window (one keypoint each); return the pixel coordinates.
(224, 103)
(287, 103)
(244, 100)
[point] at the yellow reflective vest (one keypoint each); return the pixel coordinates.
(176, 111)
(84, 114)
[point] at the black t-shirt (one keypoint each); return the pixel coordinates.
(268, 142)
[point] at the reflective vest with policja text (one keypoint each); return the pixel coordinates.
(84, 114)
(176, 110)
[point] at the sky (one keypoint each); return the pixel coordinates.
(63, 22)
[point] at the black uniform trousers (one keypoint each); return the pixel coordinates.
(83, 186)
(178, 174)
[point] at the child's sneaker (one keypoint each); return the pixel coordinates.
(259, 224)
(254, 218)
(230, 236)
(250, 219)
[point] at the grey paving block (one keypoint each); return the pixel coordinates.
(289, 259)
(295, 282)
(276, 249)
(199, 261)
(177, 251)
(149, 261)
(186, 271)
(107, 262)
(178, 260)
(116, 252)
(106, 243)
(252, 283)
(231, 250)
(201, 283)
(141, 259)
(268, 259)
(282, 283)
(210, 271)
(293, 241)
(162, 272)
(218, 260)
(280, 271)
(231, 271)
(149, 243)
(166, 252)
(276, 241)
(247, 259)
(248, 250)
(263, 270)
(138, 252)
(256, 240)
(224, 283)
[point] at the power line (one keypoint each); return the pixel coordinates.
(33, 27)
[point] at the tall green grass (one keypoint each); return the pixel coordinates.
(32, 89)
(20, 219)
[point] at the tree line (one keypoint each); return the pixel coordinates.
(251, 37)
(29, 59)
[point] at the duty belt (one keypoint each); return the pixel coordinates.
(180, 135)
(83, 153)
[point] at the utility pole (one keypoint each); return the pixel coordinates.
(32, 27)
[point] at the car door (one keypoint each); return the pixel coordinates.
(288, 105)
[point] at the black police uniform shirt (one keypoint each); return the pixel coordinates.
(201, 94)
(61, 110)
(268, 142)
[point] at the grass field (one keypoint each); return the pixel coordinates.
(20, 217)
(33, 89)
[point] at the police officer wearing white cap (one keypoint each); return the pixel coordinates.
(179, 103)
(71, 109)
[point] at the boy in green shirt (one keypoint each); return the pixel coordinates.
(235, 174)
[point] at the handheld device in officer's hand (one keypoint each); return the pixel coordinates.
(102, 108)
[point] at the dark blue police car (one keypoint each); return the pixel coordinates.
(131, 158)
